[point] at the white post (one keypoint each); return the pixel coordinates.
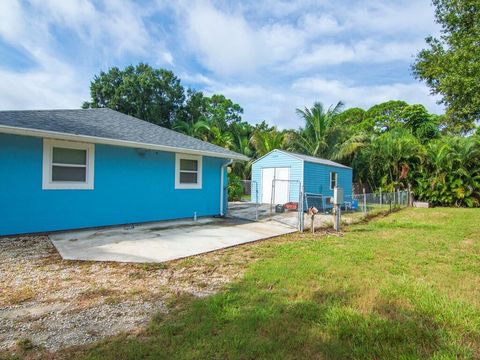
(381, 200)
(336, 224)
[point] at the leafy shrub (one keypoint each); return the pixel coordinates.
(450, 174)
(235, 188)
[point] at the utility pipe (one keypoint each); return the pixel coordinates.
(222, 190)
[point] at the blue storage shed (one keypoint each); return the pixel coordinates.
(279, 175)
(70, 169)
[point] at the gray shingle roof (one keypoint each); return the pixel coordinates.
(108, 124)
(315, 160)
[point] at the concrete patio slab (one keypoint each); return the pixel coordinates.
(162, 241)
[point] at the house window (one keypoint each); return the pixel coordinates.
(188, 172)
(333, 180)
(67, 165)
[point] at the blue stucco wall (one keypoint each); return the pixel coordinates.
(278, 159)
(129, 188)
(317, 179)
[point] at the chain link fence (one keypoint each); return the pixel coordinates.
(354, 208)
(289, 206)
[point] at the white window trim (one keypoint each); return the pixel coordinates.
(336, 179)
(48, 184)
(179, 157)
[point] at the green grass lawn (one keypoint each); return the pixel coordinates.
(402, 286)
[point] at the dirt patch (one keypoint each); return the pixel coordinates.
(55, 303)
(467, 242)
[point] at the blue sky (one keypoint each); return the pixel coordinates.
(269, 56)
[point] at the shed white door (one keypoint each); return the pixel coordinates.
(281, 187)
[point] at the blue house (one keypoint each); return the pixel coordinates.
(279, 176)
(70, 169)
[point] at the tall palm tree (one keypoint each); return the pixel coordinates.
(266, 141)
(317, 137)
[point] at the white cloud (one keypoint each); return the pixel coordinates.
(322, 24)
(118, 26)
(363, 51)
(53, 85)
(223, 42)
(227, 44)
(11, 20)
(105, 33)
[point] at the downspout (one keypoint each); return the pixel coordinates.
(222, 190)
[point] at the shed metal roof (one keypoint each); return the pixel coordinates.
(106, 126)
(311, 159)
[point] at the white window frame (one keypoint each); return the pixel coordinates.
(199, 159)
(48, 184)
(331, 178)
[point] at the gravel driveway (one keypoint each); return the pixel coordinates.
(57, 303)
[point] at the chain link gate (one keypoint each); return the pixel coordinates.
(248, 207)
(285, 206)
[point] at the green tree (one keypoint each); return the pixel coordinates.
(154, 95)
(420, 122)
(265, 141)
(353, 120)
(195, 107)
(450, 65)
(222, 112)
(319, 134)
(390, 159)
(241, 133)
(384, 116)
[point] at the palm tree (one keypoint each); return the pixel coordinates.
(393, 156)
(348, 149)
(318, 136)
(220, 138)
(266, 141)
(241, 144)
(450, 174)
(198, 129)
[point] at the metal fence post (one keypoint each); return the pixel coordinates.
(364, 201)
(381, 200)
(272, 198)
(302, 210)
(256, 200)
(409, 195)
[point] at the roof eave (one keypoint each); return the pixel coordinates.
(341, 166)
(106, 141)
